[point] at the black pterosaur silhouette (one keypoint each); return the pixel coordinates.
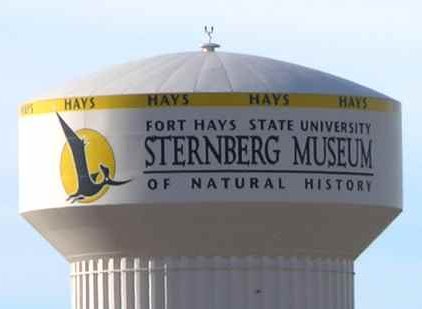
(87, 185)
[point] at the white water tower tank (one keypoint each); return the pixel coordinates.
(210, 180)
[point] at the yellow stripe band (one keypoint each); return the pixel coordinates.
(264, 100)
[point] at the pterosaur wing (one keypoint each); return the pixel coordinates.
(77, 146)
(71, 136)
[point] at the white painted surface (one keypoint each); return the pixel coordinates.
(42, 141)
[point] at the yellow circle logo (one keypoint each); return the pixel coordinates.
(98, 152)
(87, 165)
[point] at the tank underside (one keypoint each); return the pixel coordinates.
(212, 229)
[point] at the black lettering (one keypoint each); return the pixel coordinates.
(256, 142)
(209, 148)
(165, 100)
(196, 183)
(193, 146)
(68, 104)
(152, 99)
(276, 98)
(174, 98)
(273, 157)
(150, 162)
(254, 99)
(366, 154)
(342, 101)
(301, 156)
(286, 99)
(309, 184)
(266, 99)
(242, 150)
(178, 150)
(185, 99)
(84, 103)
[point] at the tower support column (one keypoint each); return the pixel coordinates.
(250, 282)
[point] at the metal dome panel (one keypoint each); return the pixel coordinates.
(210, 72)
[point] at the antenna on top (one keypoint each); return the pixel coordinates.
(209, 32)
(209, 47)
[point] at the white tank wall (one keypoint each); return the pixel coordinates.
(359, 147)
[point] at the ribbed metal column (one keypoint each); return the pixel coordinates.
(212, 283)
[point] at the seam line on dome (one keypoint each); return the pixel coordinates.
(161, 63)
(258, 74)
(186, 60)
(119, 77)
(199, 73)
(225, 72)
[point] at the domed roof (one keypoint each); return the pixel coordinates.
(207, 72)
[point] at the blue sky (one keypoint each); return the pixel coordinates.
(44, 43)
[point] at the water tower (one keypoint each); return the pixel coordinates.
(210, 180)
